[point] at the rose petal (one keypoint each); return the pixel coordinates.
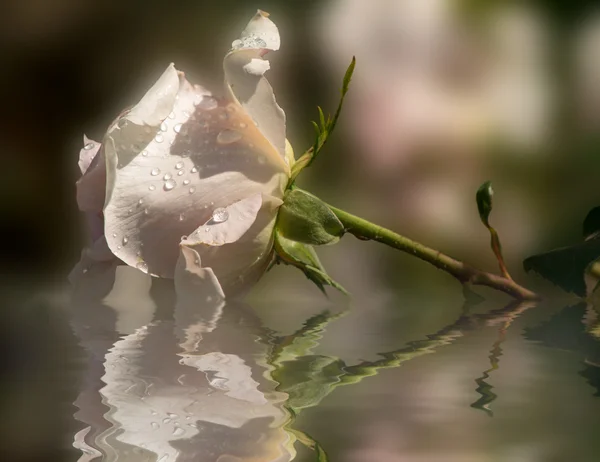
(237, 251)
(87, 153)
(206, 154)
(244, 68)
(91, 187)
(157, 103)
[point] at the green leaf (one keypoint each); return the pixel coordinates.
(484, 202)
(325, 128)
(305, 218)
(305, 258)
(566, 267)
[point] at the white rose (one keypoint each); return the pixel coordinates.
(185, 178)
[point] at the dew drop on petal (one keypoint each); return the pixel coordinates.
(151, 187)
(177, 128)
(179, 165)
(89, 146)
(144, 153)
(155, 171)
(181, 218)
(192, 190)
(243, 125)
(178, 431)
(154, 425)
(142, 266)
(167, 176)
(180, 172)
(186, 182)
(141, 201)
(169, 184)
(158, 138)
(228, 136)
(125, 240)
(194, 170)
(172, 115)
(220, 215)
(146, 212)
(163, 127)
(207, 229)
(207, 103)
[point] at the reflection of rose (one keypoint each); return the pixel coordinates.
(184, 163)
(191, 385)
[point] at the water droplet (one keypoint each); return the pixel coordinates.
(186, 182)
(228, 136)
(169, 184)
(181, 217)
(194, 170)
(172, 115)
(125, 240)
(166, 420)
(151, 187)
(146, 212)
(167, 176)
(243, 125)
(155, 171)
(158, 138)
(154, 425)
(163, 127)
(141, 201)
(118, 247)
(179, 165)
(207, 229)
(178, 431)
(192, 190)
(207, 103)
(145, 153)
(114, 234)
(177, 128)
(130, 211)
(220, 215)
(89, 146)
(180, 172)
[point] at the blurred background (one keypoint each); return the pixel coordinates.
(446, 95)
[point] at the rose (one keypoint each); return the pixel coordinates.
(187, 179)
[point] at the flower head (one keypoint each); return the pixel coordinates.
(187, 180)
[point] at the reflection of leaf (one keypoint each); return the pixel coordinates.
(566, 331)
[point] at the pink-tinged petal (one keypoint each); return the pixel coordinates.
(206, 154)
(87, 153)
(244, 77)
(91, 187)
(158, 102)
(236, 250)
(228, 224)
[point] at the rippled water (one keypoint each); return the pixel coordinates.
(154, 372)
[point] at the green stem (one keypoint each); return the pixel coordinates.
(466, 274)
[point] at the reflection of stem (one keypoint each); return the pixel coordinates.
(310, 443)
(364, 229)
(484, 388)
(341, 374)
